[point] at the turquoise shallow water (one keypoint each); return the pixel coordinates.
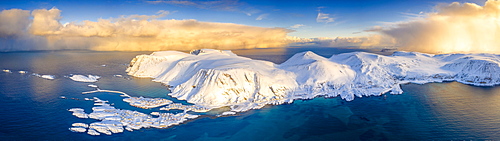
(32, 110)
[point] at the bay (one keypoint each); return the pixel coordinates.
(31, 107)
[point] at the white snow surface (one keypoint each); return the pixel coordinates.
(214, 78)
(45, 76)
(79, 112)
(80, 125)
(78, 129)
(147, 103)
(227, 113)
(112, 120)
(83, 78)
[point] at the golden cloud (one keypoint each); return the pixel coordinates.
(141, 33)
(455, 27)
(13, 22)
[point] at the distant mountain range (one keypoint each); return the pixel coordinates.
(216, 78)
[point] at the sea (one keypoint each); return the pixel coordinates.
(31, 108)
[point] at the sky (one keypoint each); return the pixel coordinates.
(226, 24)
(347, 16)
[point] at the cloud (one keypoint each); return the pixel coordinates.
(262, 16)
(323, 18)
(225, 5)
(455, 27)
(45, 22)
(128, 33)
(161, 13)
(14, 22)
(176, 2)
(222, 5)
(374, 29)
(297, 26)
(359, 42)
(14, 34)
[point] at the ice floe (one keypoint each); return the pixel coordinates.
(97, 100)
(112, 120)
(179, 106)
(93, 132)
(227, 113)
(46, 76)
(147, 103)
(79, 112)
(107, 127)
(80, 125)
(83, 78)
(92, 85)
(109, 91)
(78, 129)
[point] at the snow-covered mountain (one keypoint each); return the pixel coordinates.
(214, 78)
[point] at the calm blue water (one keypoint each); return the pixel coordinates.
(30, 107)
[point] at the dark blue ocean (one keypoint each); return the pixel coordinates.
(31, 107)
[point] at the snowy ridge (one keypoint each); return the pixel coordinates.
(217, 78)
(214, 78)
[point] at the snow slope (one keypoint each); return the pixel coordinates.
(214, 78)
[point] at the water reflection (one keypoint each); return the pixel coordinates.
(466, 107)
(31, 109)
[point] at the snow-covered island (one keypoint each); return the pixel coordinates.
(214, 78)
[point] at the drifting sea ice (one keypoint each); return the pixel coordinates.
(110, 91)
(227, 113)
(78, 129)
(179, 106)
(93, 132)
(80, 125)
(112, 120)
(83, 78)
(147, 103)
(49, 77)
(79, 112)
